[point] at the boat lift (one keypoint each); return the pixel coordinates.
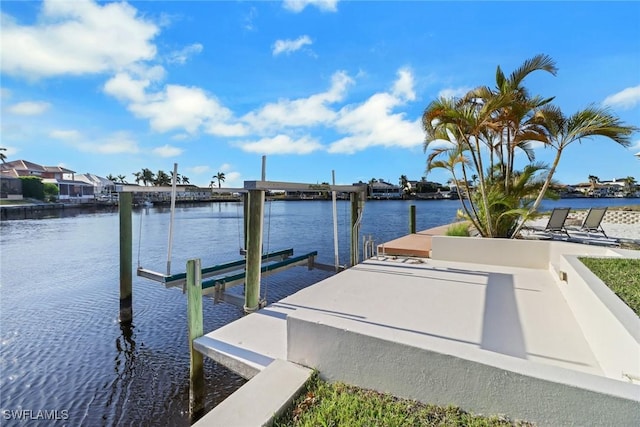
(215, 281)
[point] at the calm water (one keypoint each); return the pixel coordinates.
(62, 347)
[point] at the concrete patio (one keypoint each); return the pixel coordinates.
(485, 324)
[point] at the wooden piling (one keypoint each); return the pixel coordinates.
(196, 330)
(412, 219)
(125, 204)
(245, 216)
(254, 251)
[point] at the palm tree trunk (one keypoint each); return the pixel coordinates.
(542, 192)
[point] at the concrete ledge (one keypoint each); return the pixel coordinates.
(262, 399)
(547, 395)
(609, 325)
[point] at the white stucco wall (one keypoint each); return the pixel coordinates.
(546, 395)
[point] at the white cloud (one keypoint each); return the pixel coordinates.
(453, 92)
(374, 124)
(180, 107)
(5, 93)
(65, 135)
(175, 107)
(282, 144)
(29, 108)
(181, 56)
(167, 151)
(123, 87)
(299, 5)
(309, 111)
(403, 87)
(199, 170)
(625, 99)
(76, 37)
(288, 46)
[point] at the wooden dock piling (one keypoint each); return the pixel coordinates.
(254, 251)
(126, 252)
(412, 219)
(196, 330)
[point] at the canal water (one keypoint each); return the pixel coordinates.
(62, 348)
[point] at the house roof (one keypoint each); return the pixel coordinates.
(22, 165)
(58, 169)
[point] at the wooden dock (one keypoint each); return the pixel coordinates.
(415, 245)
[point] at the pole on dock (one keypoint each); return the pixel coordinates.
(195, 323)
(254, 251)
(412, 219)
(125, 204)
(245, 216)
(336, 255)
(354, 232)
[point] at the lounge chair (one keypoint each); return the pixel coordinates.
(591, 222)
(556, 222)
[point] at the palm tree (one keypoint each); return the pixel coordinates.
(486, 127)
(629, 184)
(111, 178)
(404, 183)
(3, 157)
(185, 180)
(178, 178)
(562, 131)
(137, 177)
(122, 179)
(147, 176)
(162, 179)
(220, 177)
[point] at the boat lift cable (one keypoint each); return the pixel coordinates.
(140, 238)
(173, 209)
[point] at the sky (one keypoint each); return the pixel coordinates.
(314, 85)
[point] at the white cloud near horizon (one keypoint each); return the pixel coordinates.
(289, 46)
(167, 151)
(626, 99)
(29, 108)
(282, 144)
(79, 37)
(297, 6)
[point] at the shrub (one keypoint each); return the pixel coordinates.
(459, 229)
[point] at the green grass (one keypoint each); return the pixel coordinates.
(621, 275)
(459, 229)
(324, 404)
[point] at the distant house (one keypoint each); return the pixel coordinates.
(384, 190)
(69, 189)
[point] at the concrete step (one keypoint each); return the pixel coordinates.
(262, 399)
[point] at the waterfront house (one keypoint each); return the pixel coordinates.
(69, 189)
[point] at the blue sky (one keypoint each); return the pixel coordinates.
(316, 86)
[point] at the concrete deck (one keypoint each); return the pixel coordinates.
(471, 310)
(491, 338)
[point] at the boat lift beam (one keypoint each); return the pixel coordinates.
(218, 286)
(179, 279)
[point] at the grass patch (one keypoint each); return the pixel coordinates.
(324, 404)
(458, 229)
(621, 275)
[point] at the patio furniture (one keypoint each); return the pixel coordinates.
(591, 222)
(555, 224)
